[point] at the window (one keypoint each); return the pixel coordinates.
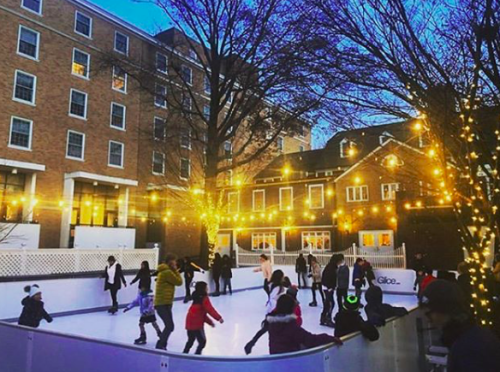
(158, 163)
(385, 137)
(28, 43)
(83, 25)
(229, 177)
(280, 143)
(187, 105)
(263, 241)
(121, 43)
(301, 148)
(228, 149)
(316, 240)
(187, 74)
(12, 188)
(368, 240)
(118, 116)
(75, 148)
(316, 197)
(259, 200)
(301, 130)
(347, 148)
(119, 82)
(81, 64)
(206, 112)
(24, 87)
(34, 6)
(20, 133)
(115, 154)
(192, 54)
(185, 168)
(161, 63)
(186, 138)
(423, 140)
(286, 198)
(95, 205)
(376, 239)
(206, 85)
(233, 202)
(78, 104)
(161, 96)
(357, 193)
(389, 191)
(160, 129)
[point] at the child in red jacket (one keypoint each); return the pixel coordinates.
(197, 316)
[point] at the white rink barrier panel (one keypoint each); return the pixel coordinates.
(32, 350)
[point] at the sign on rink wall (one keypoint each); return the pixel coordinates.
(395, 281)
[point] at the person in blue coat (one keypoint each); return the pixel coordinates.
(358, 277)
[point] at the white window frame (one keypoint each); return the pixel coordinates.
(263, 237)
(376, 240)
(40, 13)
(317, 234)
(205, 81)
(189, 169)
(166, 63)
(91, 25)
(360, 187)
(86, 104)
(124, 116)
(322, 196)
(88, 64)
(228, 152)
(229, 194)
(229, 175)
(384, 137)
(390, 187)
(122, 156)
(189, 136)
(163, 164)
(14, 98)
(343, 143)
(83, 145)
(36, 58)
(164, 106)
(113, 78)
(301, 148)
(282, 139)
(17, 147)
(263, 191)
(291, 198)
(206, 113)
(190, 81)
(164, 129)
(128, 43)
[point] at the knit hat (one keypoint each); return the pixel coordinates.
(32, 290)
(444, 296)
(351, 303)
(292, 291)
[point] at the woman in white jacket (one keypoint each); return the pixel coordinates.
(267, 271)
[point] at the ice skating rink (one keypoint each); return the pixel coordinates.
(242, 312)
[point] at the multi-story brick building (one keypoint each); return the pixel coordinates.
(79, 160)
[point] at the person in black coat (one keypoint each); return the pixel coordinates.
(301, 270)
(376, 311)
(227, 274)
(329, 281)
(350, 321)
(188, 268)
(464, 280)
(216, 272)
(143, 276)
(33, 308)
(114, 278)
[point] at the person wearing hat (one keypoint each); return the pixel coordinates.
(472, 348)
(114, 278)
(33, 308)
(350, 321)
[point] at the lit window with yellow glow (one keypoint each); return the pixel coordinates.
(81, 64)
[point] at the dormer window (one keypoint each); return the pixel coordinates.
(384, 137)
(347, 148)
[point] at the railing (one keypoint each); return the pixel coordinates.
(381, 259)
(25, 262)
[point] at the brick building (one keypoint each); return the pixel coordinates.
(80, 164)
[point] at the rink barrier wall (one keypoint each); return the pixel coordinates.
(34, 350)
(84, 295)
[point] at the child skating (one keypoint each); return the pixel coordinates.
(197, 316)
(33, 308)
(145, 301)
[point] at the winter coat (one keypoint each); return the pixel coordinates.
(188, 270)
(119, 278)
(300, 265)
(217, 267)
(419, 265)
(463, 282)
(298, 314)
(33, 312)
(165, 285)
(286, 336)
(275, 293)
(145, 301)
(144, 279)
(472, 348)
(226, 272)
(348, 321)
(198, 315)
(343, 277)
(358, 274)
(329, 278)
(368, 271)
(426, 281)
(316, 272)
(376, 311)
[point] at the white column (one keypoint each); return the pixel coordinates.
(236, 247)
(123, 208)
(29, 191)
(283, 240)
(68, 192)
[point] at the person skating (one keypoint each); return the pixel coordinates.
(358, 277)
(301, 270)
(266, 269)
(114, 278)
(376, 311)
(368, 272)
(168, 278)
(216, 273)
(428, 279)
(33, 308)
(350, 321)
(329, 281)
(198, 314)
(188, 268)
(143, 276)
(227, 274)
(342, 281)
(471, 347)
(145, 301)
(316, 279)
(286, 336)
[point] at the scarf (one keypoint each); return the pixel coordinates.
(111, 273)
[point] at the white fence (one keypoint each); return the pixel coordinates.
(23, 262)
(391, 259)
